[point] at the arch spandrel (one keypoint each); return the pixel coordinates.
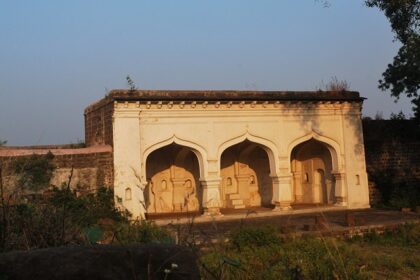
(198, 150)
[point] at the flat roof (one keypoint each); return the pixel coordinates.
(225, 95)
(231, 95)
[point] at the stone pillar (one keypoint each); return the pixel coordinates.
(316, 187)
(282, 192)
(211, 196)
(297, 181)
(340, 191)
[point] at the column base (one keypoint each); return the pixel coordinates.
(212, 212)
(339, 201)
(282, 206)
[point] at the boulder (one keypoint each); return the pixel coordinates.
(149, 261)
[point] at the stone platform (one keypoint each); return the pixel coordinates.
(327, 219)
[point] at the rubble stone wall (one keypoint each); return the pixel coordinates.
(392, 152)
(89, 168)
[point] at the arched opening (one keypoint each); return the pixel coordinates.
(173, 184)
(312, 173)
(245, 173)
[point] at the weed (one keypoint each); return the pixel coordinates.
(255, 237)
(141, 232)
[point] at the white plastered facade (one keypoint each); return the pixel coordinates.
(208, 129)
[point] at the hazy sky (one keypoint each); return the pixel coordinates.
(57, 57)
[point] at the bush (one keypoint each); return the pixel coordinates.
(64, 219)
(34, 172)
(61, 219)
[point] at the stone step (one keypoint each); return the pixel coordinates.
(238, 206)
(237, 202)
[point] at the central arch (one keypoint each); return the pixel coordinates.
(268, 146)
(245, 170)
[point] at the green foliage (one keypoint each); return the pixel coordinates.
(34, 172)
(255, 237)
(303, 258)
(399, 116)
(141, 232)
(404, 16)
(403, 75)
(65, 218)
(391, 255)
(3, 142)
(89, 209)
(58, 220)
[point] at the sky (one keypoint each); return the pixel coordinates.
(57, 57)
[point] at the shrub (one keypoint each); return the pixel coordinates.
(63, 218)
(34, 172)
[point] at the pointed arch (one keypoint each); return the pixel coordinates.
(198, 150)
(269, 147)
(245, 153)
(332, 146)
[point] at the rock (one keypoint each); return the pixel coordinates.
(149, 261)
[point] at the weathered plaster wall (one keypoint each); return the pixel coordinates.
(208, 129)
(92, 167)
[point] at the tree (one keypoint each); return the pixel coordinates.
(403, 75)
(3, 142)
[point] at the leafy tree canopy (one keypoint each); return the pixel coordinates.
(403, 75)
